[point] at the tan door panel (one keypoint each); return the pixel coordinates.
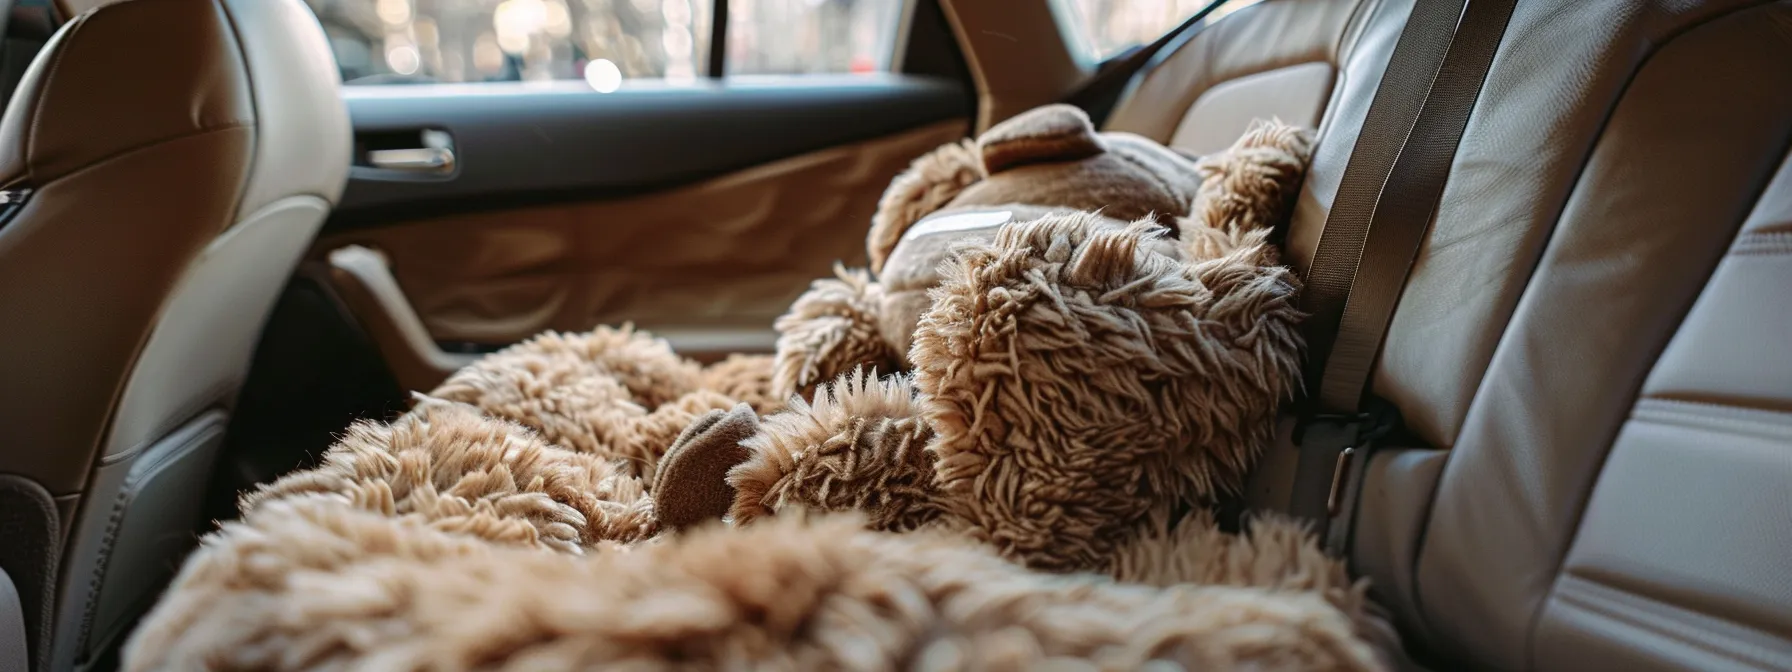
(709, 265)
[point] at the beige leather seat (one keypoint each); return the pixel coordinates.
(178, 156)
(1591, 354)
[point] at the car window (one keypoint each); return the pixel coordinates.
(600, 41)
(1100, 29)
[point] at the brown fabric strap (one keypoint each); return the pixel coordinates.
(1384, 206)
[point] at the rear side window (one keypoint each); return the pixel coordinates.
(601, 41)
(1101, 29)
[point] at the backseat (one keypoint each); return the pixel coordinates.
(1593, 353)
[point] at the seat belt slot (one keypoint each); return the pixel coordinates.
(1335, 449)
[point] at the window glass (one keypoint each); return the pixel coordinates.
(807, 36)
(601, 41)
(388, 41)
(1104, 28)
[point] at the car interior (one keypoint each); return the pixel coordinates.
(220, 245)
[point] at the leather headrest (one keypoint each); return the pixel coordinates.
(89, 95)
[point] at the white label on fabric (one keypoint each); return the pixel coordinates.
(963, 221)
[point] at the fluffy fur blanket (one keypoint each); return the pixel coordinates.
(449, 540)
(1031, 494)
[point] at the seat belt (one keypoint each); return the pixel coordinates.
(1385, 202)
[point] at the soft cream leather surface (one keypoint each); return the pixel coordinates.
(1295, 94)
(1217, 77)
(199, 351)
(1602, 403)
(718, 256)
(1685, 544)
(288, 60)
(1674, 169)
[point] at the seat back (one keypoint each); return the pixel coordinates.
(179, 157)
(1588, 499)
(1596, 472)
(1279, 58)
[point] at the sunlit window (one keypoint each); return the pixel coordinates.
(600, 41)
(798, 36)
(1105, 28)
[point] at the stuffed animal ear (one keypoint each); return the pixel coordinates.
(830, 330)
(1051, 133)
(691, 486)
(929, 184)
(1252, 184)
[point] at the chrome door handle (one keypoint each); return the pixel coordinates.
(418, 160)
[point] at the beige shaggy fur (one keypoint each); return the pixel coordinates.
(451, 468)
(1072, 383)
(306, 583)
(1078, 385)
(929, 184)
(857, 447)
(744, 378)
(1247, 189)
(830, 330)
(613, 393)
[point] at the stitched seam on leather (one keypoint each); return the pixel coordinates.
(1763, 243)
(1529, 642)
(152, 144)
(1355, 27)
(1620, 605)
(182, 415)
(103, 558)
(101, 562)
(43, 94)
(242, 61)
(1770, 424)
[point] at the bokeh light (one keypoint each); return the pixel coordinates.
(603, 75)
(404, 59)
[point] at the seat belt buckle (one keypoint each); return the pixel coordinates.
(1341, 434)
(1340, 440)
(1334, 498)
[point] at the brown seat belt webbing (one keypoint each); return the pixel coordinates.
(1385, 204)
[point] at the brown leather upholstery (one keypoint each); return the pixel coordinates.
(183, 154)
(1591, 352)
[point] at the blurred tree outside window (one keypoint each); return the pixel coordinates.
(600, 41)
(1105, 28)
